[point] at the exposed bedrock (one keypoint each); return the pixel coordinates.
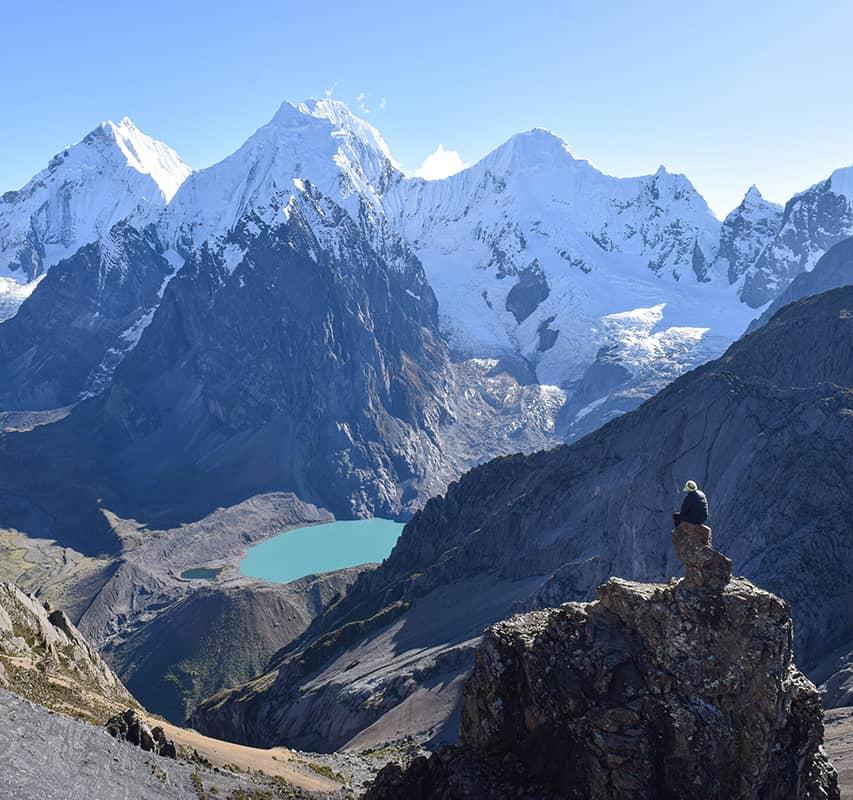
(678, 690)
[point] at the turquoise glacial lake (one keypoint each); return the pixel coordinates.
(321, 548)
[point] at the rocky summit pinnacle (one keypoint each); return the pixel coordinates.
(678, 690)
(704, 567)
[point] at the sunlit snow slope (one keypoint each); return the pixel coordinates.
(115, 173)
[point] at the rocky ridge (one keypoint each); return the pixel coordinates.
(678, 690)
(833, 270)
(62, 710)
(44, 658)
(812, 222)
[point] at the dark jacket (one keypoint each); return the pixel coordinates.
(695, 508)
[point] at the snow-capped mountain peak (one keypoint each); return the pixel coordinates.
(754, 201)
(148, 156)
(841, 182)
(320, 141)
(812, 222)
(746, 232)
(114, 173)
(535, 143)
(341, 117)
(531, 246)
(753, 195)
(533, 252)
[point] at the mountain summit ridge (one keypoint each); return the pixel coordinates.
(115, 173)
(595, 288)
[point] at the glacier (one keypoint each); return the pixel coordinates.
(601, 287)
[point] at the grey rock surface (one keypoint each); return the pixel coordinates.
(392, 676)
(679, 690)
(832, 271)
(49, 756)
(82, 318)
(839, 746)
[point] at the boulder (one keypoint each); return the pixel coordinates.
(130, 727)
(684, 691)
(703, 566)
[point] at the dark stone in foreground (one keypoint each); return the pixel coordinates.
(128, 727)
(704, 567)
(679, 690)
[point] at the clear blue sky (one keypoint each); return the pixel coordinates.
(730, 94)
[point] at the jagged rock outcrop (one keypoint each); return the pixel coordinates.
(130, 727)
(812, 222)
(745, 232)
(678, 690)
(44, 658)
(704, 567)
(833, 270)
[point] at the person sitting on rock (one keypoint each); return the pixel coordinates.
(694, 509)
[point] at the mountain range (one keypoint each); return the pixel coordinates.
(605, 288)
(302, 326)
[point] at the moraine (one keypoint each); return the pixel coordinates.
(321, 548)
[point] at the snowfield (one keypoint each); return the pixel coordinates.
(604, 288)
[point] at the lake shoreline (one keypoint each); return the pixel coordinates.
(319, 548)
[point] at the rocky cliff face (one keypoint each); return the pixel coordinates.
(745, 233)
(766, 430)
(678, 690)
(299, 359)
(292, 356)
(833, 270)
(44, 658)
(812, 222)
(81, 320)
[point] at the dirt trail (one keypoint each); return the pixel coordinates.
(277, 761)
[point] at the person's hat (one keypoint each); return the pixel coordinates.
(690, 486)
